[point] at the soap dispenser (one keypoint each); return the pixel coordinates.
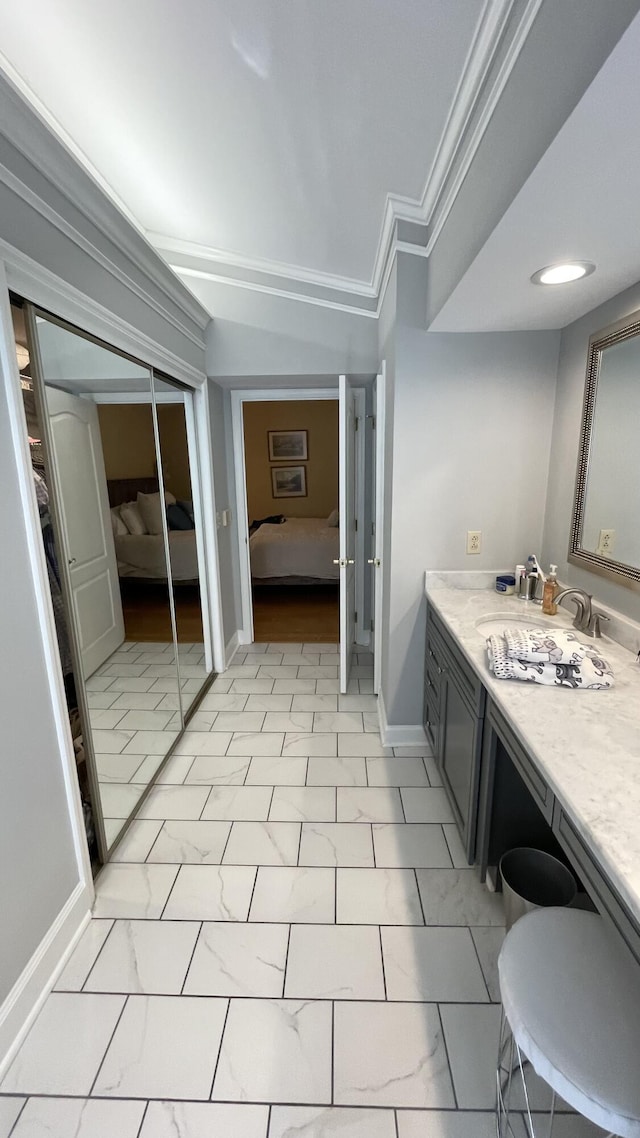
(549, 606)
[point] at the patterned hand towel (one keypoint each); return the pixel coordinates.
(544, 645)
(591, 672)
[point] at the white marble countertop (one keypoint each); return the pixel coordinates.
(586, 744)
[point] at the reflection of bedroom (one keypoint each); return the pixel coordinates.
(291, 456)
(128, 446)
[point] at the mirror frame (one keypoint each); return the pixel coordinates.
(618, 571)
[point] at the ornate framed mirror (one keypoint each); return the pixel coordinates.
(605, 528)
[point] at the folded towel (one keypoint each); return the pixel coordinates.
(540, 645)
(591, 672)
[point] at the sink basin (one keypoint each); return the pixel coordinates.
(494, 624)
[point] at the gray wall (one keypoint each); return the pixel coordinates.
(38, 868)
(256, 334)
(387, 352)
(564, 451)
(472, 428)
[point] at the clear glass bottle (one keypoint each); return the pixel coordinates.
(549, 606)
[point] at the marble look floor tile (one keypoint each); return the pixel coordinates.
(310, 743)
(221, 684)
(256, 743)
(456, 897)
(436, 965)
(314, 703)
(269, 703)
(390, 1055)
(456, 848)
(217, 701)
(63, 1050)
(277, 771)
(235, 721)
(163, 1047)
(97, 700)
(238, 803)
(185, 802)
(364, 743)
(369, 804)
(305, 896)
(331, 657)
(299, 658)
(488, 942)
(150, 957)
(331, 1122)
(408, 771)
(118, 768)
(124, 670)
(151, 742)
(137, 841)
(325, 687)
(176, 770)
(112, 827)
(327, 771)
(471, 1032)
(275, 1050)
(218, 770)
(280, 672)
(263, 843)
(333, 844)
(148, 767)
(431, 767)
(378, 897)
(111, 742)
(242, 671)
(318, 672)
(138, 701)
(303, 804)
(294, 687)
(211, 893)
(195, 843)
(410, 846)
(239, 960)
(204, 1120)
(133, 890)
(251, 687)
(122, 683)
(101, 718)
(119, 799)
(364, 703)
(83, 957)
(9, 1110)
(79, 1118)
(334, 962)
(301, 721)
(202, 720)
(321, 646)
(452, 1124)
(204, 743)
(136, 720)
(347, 721)
(371, 722)
(163, 684)
(365, 685)
(426, 804)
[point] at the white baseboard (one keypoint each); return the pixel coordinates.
(243, 636)
(231, 648)
(400, 734)
(32, 987)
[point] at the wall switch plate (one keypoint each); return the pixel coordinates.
(606, 542)
(474, 540)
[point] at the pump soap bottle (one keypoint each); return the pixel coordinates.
(549, 606)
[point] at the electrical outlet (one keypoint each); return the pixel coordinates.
(474, 540)
(606, 542)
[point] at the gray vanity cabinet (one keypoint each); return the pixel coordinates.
(454, 709)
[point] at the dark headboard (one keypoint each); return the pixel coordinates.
(126, 489)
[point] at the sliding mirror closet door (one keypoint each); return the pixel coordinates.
(176, 435)
(100, 441)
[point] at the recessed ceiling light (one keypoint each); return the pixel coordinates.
(562, 274)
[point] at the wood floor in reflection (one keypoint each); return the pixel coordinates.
(301, 613)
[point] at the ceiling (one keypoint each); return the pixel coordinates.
(268, 130)
(581, 202)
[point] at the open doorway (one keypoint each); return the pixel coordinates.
(291, 464)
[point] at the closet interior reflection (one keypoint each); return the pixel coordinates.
(114, 475)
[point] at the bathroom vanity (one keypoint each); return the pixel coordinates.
(524, 764)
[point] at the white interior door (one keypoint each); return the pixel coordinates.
(378, 535)
(83, 506)
(347, 464)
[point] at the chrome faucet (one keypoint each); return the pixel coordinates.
(585, 620)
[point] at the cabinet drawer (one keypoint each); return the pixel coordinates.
(469, 683)
(598, 885)
(540, 792)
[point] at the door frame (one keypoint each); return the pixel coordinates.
(273, 395)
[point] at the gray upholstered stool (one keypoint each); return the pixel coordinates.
(571, 1007)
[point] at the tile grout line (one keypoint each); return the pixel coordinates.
(144, 1115)
(384, 971)
(13, 1129)
(446, 1051)
(193, 952)
(222, 1034)
(111, 1038)
(286, 963)
(99, 954)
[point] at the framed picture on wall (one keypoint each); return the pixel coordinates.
(288, 446)
(289, 481)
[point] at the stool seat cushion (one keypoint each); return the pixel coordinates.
(571, 993)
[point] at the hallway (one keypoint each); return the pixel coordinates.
(287, 942)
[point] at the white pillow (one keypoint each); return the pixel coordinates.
(334, 519)
(132, 518)
(117, 524)
(151, 509)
